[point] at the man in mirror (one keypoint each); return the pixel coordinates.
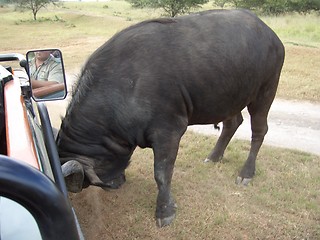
(45, 69)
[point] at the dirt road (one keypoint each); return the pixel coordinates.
(292, 124)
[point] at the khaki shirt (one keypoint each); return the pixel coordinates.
(50, 70)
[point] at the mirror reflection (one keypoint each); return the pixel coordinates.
(46, 72)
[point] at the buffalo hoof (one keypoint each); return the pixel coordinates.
(73, 175)
(243, 181)
(166, 214)
(207, 160)
(162, 222)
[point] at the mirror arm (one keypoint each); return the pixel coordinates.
(24, 64)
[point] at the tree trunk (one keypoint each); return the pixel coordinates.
(34, 12)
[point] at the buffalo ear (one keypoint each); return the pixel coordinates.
(118, 147)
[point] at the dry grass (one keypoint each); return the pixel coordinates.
(282, 202)
(300, 77)
(78, 28)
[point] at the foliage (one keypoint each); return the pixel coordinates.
(171, 7)
(175, 7)
(33, 5)
(249, 4)
(273, 6)
(220, 3)
(303, 6)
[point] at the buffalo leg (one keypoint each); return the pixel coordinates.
(258, 113)
(165, 153)
(229, 128)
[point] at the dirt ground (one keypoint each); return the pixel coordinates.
(292, 124)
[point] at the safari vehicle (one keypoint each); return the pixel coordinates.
(33, 197)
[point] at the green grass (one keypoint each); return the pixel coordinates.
(301, 30)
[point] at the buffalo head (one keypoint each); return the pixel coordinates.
(101, 165)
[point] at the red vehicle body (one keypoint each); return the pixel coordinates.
(30, 171)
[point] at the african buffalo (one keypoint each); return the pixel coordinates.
(150, 81)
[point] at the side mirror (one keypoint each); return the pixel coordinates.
(46, 73)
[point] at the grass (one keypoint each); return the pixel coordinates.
(297, 29)
(281, 203)
(78, 28)
(300, 75)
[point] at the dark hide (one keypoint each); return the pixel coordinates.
(149, 82)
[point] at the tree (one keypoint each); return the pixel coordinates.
(175, 7)
(171, 7)
(274, 6)
(33, 5)
(220, 3)
(249, 4)
(303, 6)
